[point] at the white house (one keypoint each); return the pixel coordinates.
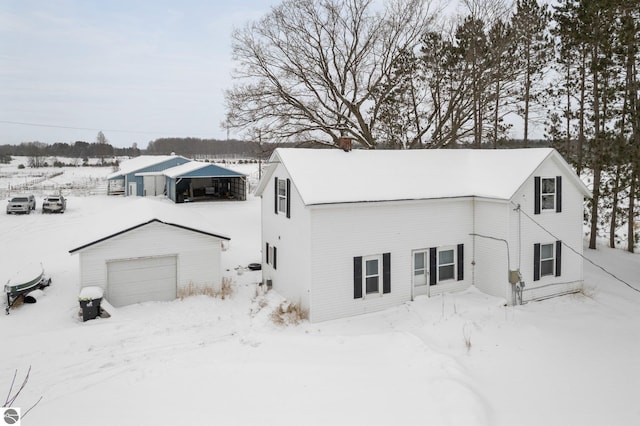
(145, 251)
(345, 233)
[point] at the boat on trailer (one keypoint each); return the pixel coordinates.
(28, 279)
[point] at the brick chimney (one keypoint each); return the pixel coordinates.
(344, 143)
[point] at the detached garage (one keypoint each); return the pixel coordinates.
(151, 254)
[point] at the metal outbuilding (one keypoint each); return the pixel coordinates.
(129, 180)
(199, 181)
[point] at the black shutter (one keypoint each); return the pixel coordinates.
(558, 194)
(357, 277)
(433, 266)
(288, 198)
(536, 262)
(267, 255)
(386, 273)
(276, 195)
(558, 258)
(460, 262)
(275, 257)
(536, 197)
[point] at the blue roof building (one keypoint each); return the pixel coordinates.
(129, 180)
(196, 180)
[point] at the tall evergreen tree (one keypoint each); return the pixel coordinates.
(534, 48)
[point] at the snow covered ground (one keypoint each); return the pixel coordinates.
(456, 359)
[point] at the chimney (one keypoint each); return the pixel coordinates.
(344, 142)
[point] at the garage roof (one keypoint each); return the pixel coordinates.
(195, 169)
(141, 212)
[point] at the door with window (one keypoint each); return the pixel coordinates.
(420, 272)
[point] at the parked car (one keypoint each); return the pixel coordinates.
(54, 204)
(21, 204)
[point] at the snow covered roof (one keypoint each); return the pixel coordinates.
(141, 162)
(324, 176)
(140, 212)
(199, 169)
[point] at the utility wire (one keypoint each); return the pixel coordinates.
(576, 252)
(54, 126)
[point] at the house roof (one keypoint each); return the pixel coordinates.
(200, 169)
(333, 176)
(140, 163)
(140, 212)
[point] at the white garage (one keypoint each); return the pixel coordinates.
(150, 252)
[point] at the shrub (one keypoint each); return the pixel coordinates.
(225, 291)
(289, 314)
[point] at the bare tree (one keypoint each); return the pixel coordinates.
(312, 70)
(103, 148)
(13, 394)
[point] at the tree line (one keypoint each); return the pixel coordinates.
(401, 75)
(79, 149)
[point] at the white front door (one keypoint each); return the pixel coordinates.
(420, 272)
(133, 188)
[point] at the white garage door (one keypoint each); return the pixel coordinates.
(141, 280)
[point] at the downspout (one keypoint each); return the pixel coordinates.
(519, 286)
(519, 236)
(473, 242)
(514, 276)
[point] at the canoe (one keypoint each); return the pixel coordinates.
(30, 277)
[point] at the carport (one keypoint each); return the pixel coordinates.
(199, 181)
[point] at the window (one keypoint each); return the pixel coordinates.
(271, 255)
(371, 275)
(547, 260)
(548, 194)
(446, 263)
(419, 265)
(282, 196)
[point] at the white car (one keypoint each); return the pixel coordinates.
(54, 204)
(21, 204)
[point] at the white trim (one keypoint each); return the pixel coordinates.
(554, 194)
(425, 253)
(282, 198)
(552, 259)
(454, 264)
(379, 274)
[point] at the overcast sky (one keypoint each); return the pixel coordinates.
(136, 69)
